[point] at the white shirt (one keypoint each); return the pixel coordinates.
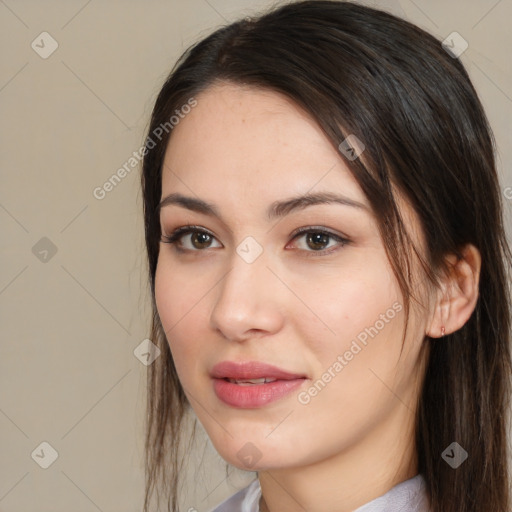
(407, 496)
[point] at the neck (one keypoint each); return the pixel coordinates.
(348, 479)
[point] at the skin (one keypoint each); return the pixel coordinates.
(241, 149)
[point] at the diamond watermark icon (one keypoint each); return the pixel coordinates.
(146, 352)
(351, 147)
(249, 249)
(455, 45)
(454, 455)
(249, 455)
(44, 45)
(45, 455)
(44, 250)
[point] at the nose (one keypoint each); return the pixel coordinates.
(249, 301)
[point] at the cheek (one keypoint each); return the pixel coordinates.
(346, 307)
(178, 305)
(178, 293)
(166, 296)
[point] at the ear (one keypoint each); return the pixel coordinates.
(458, 294)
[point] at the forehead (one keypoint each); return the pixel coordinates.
(239, 135)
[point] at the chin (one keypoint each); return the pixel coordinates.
(253, 456)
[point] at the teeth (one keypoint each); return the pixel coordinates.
(249, 382)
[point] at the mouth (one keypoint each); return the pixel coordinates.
(253, 384)
(252, 372)
(250, 382)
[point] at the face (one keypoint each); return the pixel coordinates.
(302, 286)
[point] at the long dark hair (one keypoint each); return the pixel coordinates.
(361, 71)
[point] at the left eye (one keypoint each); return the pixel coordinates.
(318, 241)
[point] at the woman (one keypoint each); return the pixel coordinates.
(328, 267)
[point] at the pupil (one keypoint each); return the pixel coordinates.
(317, 239)
(200, 238)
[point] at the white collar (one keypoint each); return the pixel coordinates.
(407, 496)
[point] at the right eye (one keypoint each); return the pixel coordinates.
(198, 238)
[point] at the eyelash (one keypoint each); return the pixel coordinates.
(185, 230)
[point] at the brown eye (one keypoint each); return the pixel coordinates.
(198, 239)
(317, 241)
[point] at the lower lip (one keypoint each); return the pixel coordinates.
(254, 395)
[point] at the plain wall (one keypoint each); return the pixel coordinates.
(73, 295)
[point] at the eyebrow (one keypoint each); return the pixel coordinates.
(275, 210)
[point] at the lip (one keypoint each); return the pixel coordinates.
(252, 395)
(251, 370)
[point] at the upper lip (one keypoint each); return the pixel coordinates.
(251, 370)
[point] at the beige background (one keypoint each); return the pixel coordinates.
(70, 324)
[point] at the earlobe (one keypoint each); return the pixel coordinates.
(458, 293)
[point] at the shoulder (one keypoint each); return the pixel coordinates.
(245, 500)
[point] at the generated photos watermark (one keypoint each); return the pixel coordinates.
(305, 397)
(101, 192)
